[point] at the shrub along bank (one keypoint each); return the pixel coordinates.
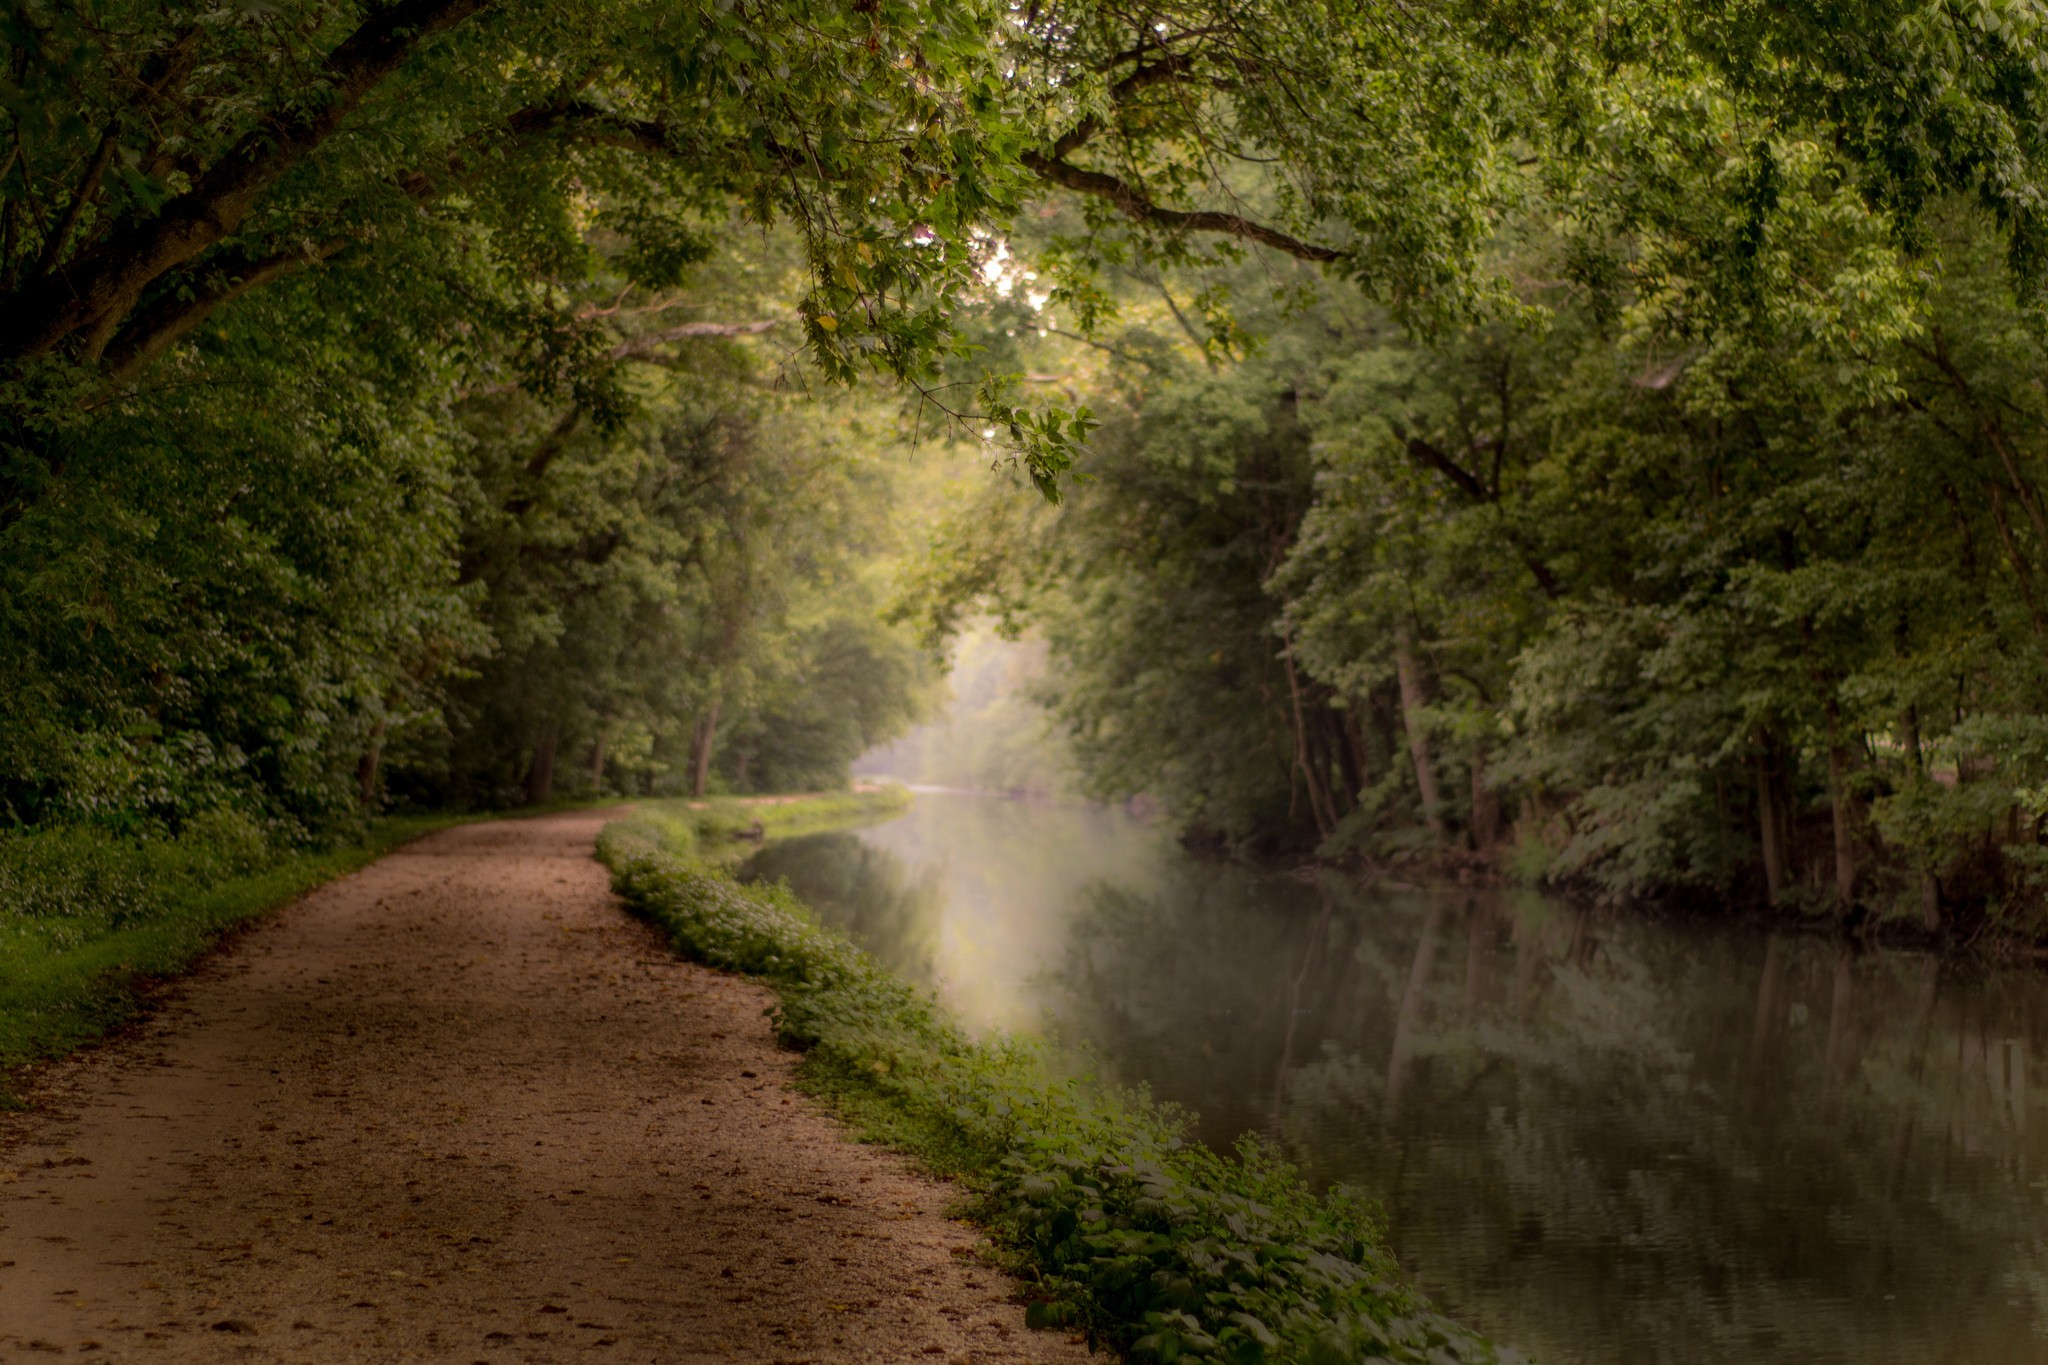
(719, 828)
(89, 918)
(1148, 1242)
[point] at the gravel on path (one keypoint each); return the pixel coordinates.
(460, 1107)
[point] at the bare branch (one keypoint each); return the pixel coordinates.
(633, 346)
(1427, 454)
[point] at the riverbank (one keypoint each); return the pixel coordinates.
(458, 1107)
(1149, 1243)
(1573, 1120)
(1980, 932)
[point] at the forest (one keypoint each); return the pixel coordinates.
(1457, 591)
(1591, 443)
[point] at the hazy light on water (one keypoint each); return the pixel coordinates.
(1601, 1139)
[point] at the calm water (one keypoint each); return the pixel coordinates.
(1599, 1140)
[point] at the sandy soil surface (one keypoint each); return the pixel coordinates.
(459, 1107)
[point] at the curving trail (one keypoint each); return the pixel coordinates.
(459, 1107)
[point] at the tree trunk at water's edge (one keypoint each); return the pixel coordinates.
(1413, 699)
(1485, 807)
(1769, 827)
(1916, 770)
(1841, 810)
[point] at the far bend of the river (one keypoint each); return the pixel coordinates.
(1598, 1139)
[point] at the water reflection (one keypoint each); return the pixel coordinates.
(1003, 878)
(1599, 1140)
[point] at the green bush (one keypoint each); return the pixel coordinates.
(716, 827)
(1127, 1231)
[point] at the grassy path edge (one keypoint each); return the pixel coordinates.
(1121, 1228)
(142, 913)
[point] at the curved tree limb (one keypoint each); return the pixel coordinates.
(96, 290)
(633, 346)
(1430, 456)
(162, 324)
(1136, 205)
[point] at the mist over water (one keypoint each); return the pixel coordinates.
(991, 736)
(1599, 1140)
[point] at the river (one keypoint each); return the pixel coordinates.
(1599, 1139)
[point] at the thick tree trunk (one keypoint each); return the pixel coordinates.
(1343, 760)
(1305, 763)
(700, 750)
(1769, 827)
(1360, 771)
(540, 777)
(367, 765)
(1413, 699)
(597, 763)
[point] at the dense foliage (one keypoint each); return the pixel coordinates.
(395, 398)
(1153, 1245)
(1703, 555)
(1584, 427)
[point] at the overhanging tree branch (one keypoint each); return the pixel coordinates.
(162, 324)
(168, 319)
(641, 345)
(1136, 205)
(95, 291)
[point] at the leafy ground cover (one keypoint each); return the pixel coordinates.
(89, 919)
(1149, 1243)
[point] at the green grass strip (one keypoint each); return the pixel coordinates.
(1122, 1228)
(719, 828)
(89, 920)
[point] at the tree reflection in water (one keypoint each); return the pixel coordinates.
(1600, 1139)
(869, 892)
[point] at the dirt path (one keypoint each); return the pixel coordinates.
(458, 1107)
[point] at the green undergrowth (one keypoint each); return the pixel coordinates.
(1123, 1228)
(89, 918)
(721, 829)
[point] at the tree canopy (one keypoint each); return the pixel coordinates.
(1594, 428)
